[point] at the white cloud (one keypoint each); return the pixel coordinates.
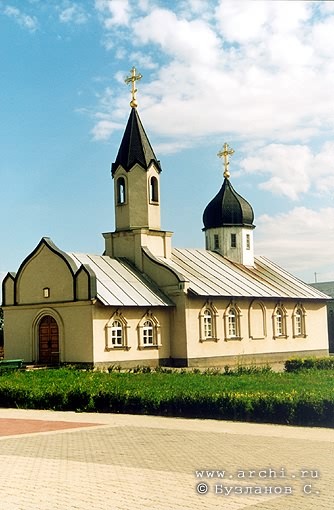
(242, 21)
(74, 14)
(24, 20)
(322, 36)
(295, 238)
(274, 81)
(190, 41)
(114, 12)
(103, 129)
(143, 60)
(294, 169)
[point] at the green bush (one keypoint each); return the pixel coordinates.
(302, 397)
(296, 364)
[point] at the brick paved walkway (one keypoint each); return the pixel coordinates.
(119, 462)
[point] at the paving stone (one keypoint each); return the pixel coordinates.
(137, 462)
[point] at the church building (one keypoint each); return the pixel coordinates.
(145, 303)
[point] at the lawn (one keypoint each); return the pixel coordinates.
(300, 398)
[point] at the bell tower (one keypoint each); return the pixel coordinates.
(136, 174)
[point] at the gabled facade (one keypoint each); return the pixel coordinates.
(144, 303)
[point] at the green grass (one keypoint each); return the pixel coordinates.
(299, 398)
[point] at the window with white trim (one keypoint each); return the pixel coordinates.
(279, 322)
(232, 321)
(208, 322)
(298, 321)
(116, 332)
(149, 334)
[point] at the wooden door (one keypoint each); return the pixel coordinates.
(48, 341)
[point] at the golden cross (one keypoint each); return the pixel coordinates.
(132, 79)
(225, 154)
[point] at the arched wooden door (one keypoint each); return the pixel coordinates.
(48, 341)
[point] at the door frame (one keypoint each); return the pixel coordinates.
(35, 333)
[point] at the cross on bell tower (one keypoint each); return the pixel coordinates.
(132, 79)
(136, 174)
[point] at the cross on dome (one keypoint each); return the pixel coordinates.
(225, 153)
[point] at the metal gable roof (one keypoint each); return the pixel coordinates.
(210, 274)
(119, 283)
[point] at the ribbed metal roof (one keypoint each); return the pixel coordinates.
(119, 283)
(210, 274)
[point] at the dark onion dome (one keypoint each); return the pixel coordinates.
(135, 146)
(228, 208)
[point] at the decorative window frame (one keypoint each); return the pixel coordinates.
(207, 310)
(284, 314)
(109, 346)
(232, 306)
(156, 332)
(302, 334)
(264, 320)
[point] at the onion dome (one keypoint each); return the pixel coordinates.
(228, 208)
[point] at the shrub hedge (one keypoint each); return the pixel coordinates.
(297, 398)
(296, 364)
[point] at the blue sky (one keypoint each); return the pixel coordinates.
(257, 75)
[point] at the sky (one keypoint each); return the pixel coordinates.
(256, 75)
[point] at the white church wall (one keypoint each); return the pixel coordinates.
(245, 345)
(21, 332)
(133, 351)
(44, 269)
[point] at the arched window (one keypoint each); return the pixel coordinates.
(121, 191)
(232, 323)
(116, 332)
(149, 332)
(232, 317)
(154, 191)
(279, 322)
(208, 323)
(298, 321)
(257, 320)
